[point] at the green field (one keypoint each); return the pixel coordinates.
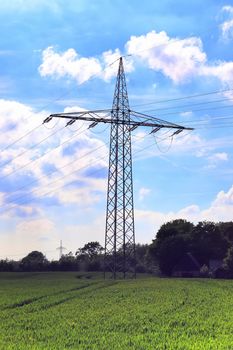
(69, 311)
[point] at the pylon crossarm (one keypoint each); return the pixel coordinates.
(159, 121)
(89, 117)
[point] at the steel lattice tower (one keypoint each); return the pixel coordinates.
(119, 233)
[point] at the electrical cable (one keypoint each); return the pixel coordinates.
(35, 160)
(183, 98)
(194, 110)
(33, 146)
(51, 183)
(20, 138)
(58, 169)
(57, 180)
(191, 105)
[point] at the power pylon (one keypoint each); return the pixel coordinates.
(61, 248)
(120, 233)
(120, 257)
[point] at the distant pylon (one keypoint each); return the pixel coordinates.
(119, 232)
(61, 248)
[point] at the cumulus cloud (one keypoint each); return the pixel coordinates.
(71, 65)
(227, 26)
(68, 64)
(220, 156)
(143, 192)
(178, 59)
(27, 236)
(221, 70)
(221, 209)
(36, 173)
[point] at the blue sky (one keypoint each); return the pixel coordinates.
(57, 56)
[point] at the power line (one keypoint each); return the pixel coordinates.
(20, 138)
(51, 183)
(33, 146)
(48, 104)
(191, 105)
(195, 110)
(47, 152)
(65, 176)
(58, 169)
(183, 97)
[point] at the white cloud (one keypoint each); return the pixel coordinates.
(84, 152)
(221, 156)
(221, 209)
(227, 26)
(143, 192)
(178, 59)
(27, 236)
(186, 114)
(71, 65)
(30, 6)
(68, 64)
(109, 64)
(216, 158)
(220, 70)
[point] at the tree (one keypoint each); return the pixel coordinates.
(205, 241)
(90, 256)
(7, 265)
(228, 262)
(143, 259)
(68, 262)
(170, 251)
(34, 261)
(171, 242)
(226, 229)
(208, 242)
(90, 250)
(173, 228)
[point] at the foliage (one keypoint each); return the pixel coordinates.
(173, 228)
(228, 262)
(170, 251)
(204, 271)
(226, 229)
(144, 263)
(208, 242)
(90, 257)
(34, 261)
(68, 262)
(90, 250)
(205, 241)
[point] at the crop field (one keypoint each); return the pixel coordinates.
(74, 311)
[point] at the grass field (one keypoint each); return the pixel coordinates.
(69, 311)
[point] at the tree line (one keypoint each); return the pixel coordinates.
(204, 241)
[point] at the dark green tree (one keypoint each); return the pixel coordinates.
(173, 228)
(90, 257)
(208, 242)
(68, 262)
(171, 242)
(228, 262)
(34, 261)
(226, 229)
(90, 250)
(170, 251)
